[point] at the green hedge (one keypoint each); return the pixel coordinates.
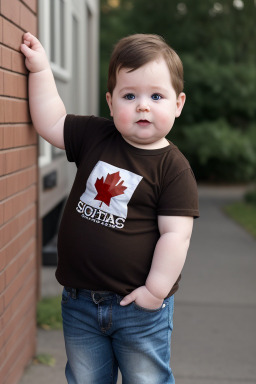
(250, 197)
(218, 152)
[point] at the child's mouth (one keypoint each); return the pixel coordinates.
(143, 122)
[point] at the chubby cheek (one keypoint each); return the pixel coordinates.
(166, 121)
(122, 119)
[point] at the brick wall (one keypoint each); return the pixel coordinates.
(18, 195)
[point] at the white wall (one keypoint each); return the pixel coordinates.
(68, 30)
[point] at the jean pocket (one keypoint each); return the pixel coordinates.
(148, 310)
(65, 296)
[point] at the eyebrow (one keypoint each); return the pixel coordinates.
(152, 88)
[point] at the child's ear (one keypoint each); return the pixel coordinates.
(109, 101)
(180, 103)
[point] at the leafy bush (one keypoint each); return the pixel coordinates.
(218, 91)
(218, 152)
(250, 197)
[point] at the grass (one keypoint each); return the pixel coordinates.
(49, 313)
(45, 359)
(244, 214)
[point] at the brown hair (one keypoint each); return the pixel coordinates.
(137, 50)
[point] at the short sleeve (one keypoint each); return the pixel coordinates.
(75, 131)
(179, 197)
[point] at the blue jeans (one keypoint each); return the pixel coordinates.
(101, 335)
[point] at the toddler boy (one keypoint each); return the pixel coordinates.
(127, 224)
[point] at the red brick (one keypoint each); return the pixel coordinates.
(32, 4)
(17, 304)
(22, 361)
(2, 281)
(1, 29)
(12, 35)
(1, 340)
(1, 306)
(13, 288)
(21, 342)
(16, 327)
(28, 20)
(1, 137)
(20, 180)
(12, 160)
(14, 111)
(28, 156)
(27, 304)
(13, 268)
(16, 370)
(1, 82)
(12, 60)
(19, 243)
(14, 85)
(17, 135)
(1, 213)
(9, 231)
(2, 112)
(17, 159)
(11, 10)
(2, 188)
(18, 62)
(2, 163)
(16, 204)
(19, 330)
(6, 54)
(2, 259)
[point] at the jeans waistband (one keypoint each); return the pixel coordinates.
(96, 296)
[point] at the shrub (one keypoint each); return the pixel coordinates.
(219, 152)
(250, 197)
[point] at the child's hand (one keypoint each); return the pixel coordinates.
(143, 298)
(36, 59)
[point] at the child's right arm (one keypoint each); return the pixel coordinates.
(46, 107)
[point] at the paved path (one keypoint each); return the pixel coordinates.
(214, 338)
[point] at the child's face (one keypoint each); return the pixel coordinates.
(144, 104)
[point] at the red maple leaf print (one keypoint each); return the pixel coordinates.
(109, 188)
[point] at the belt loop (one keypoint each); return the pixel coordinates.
(74, 293)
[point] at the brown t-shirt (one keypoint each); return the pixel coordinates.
(109, 227)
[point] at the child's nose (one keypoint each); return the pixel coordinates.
(143, 107)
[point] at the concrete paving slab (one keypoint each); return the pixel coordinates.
(221, 263)
(215, 342)
(214, 338)
(52, 343)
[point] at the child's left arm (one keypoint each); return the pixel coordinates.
(168, 260)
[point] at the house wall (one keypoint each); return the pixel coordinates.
(18, 196)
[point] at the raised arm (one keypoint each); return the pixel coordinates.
(168, 260)
(46, 107)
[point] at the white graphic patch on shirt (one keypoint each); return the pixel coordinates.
(108, 192)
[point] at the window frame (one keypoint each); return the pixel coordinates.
(62, 73)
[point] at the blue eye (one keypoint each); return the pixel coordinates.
(156, 96)
(129, 96)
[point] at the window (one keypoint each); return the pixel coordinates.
(54, 31)
(64, 27)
